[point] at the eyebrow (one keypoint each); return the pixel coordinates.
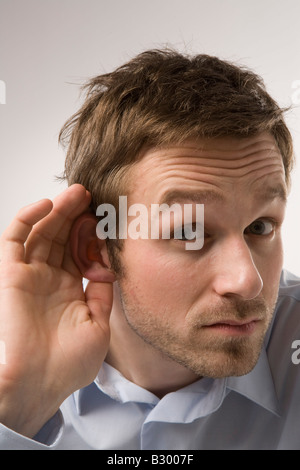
(200, 197)
(267, 194)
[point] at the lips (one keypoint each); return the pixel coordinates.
(234, 327)
(234, 323)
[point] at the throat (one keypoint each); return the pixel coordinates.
(148, 368)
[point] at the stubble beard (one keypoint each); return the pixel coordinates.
(195, 348)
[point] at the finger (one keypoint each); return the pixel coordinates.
(56, 226)
(13, 238)
(68, 264)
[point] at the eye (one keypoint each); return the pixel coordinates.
(187, 232)
(178, 233)
(261, 227)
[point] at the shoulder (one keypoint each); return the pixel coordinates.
(284, 335)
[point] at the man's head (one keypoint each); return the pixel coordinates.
(166, 127)
(159, 98)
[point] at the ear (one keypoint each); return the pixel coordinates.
(89, 252)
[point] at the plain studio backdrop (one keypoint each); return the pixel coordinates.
(48, 48)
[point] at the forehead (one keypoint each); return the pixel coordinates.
(222, 165)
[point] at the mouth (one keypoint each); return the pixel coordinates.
(234, 328)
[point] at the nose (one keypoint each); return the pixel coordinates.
(235, 273)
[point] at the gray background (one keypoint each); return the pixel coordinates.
(49, 47)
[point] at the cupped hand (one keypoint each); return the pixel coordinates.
(53, 335)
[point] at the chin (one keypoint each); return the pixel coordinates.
(233, 364)
(232, 358)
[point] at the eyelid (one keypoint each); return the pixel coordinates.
(274, 223)
(207, 235)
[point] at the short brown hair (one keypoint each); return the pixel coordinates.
(158, 98)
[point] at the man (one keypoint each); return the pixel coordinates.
(167, 347)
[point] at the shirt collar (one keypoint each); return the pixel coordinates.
(257, 386)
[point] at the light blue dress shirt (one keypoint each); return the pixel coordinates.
(260, 410)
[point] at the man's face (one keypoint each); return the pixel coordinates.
(209, 309)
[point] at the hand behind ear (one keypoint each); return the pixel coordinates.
(54, 336)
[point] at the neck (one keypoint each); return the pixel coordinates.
(140, 362)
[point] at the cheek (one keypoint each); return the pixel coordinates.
(163, 281)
